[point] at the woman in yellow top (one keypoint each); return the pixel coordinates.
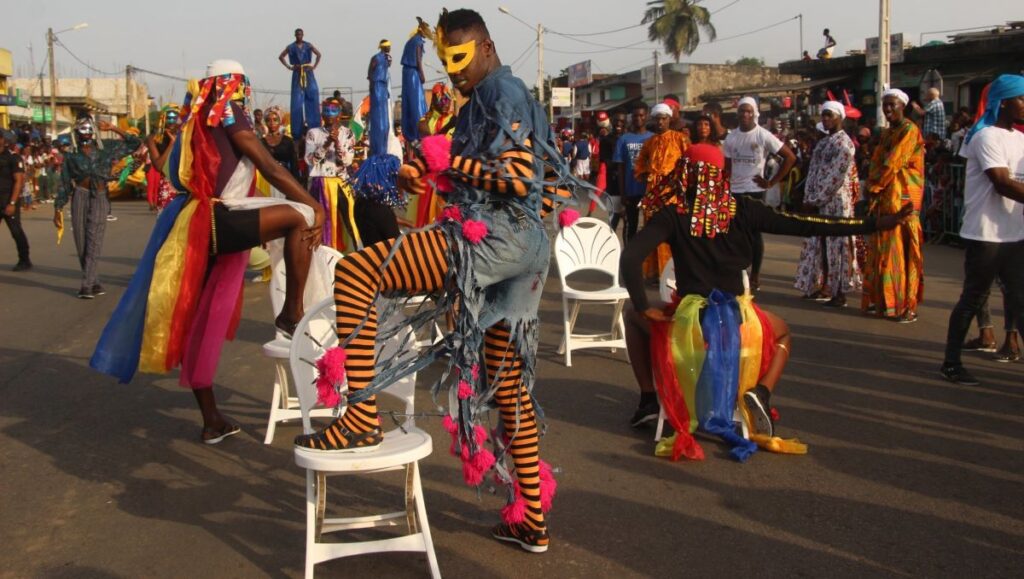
(894, 272)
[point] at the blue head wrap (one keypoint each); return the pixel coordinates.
(1005, 86)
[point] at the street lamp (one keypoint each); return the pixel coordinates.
(540, 50)
(50, 37)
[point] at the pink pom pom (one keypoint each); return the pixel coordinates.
(483, 460)
(568, 217)
(451, 213)
(480, 434)
(472, 475)
(326, 393)
(449, 425)
(443, 184)
(465, 390)
(545, 469)
(437, 152)
(475, 371)
(514, 513)
(474, 231)
(331, 366)
(548, 488)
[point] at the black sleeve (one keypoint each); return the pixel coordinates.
(658, 230)
(760, 217)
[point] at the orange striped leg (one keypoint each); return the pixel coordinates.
(514, 401)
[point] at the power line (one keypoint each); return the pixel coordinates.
(627, 47)
(522, 63)
(169, 76)
(716, 11)
(567, 34)
(763, 28)
(82, 62)
(522, 54)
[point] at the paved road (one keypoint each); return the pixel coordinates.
(907, 474)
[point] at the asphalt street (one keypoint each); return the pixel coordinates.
(907, 475)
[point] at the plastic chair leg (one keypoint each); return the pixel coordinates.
(311, 531)
(661, 425)
(275, 403)
(421, 512)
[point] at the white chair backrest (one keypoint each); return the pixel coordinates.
(667, 283)
(321, 273)
(316, 333)
(590, 244)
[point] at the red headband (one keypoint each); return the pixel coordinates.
(672, 103)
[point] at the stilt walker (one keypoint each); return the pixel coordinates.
(305, 112)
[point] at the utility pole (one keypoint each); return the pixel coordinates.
(128, 94)
(42, 100)
(883, 60)
(540, 63)
(657, 77)
(149, 100)
(53, 85)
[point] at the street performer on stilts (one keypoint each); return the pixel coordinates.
(185, 298)
(714, 347)
(305, 91)
(414, 104)
(486, 262)
(376, 186)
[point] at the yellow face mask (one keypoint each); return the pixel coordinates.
(456, 58)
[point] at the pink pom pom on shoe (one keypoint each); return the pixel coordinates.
(514, 513)
(474, 231)
(568, 217)
(331, 369)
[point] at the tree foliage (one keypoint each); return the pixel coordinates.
(677, 24)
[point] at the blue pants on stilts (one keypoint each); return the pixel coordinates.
(305, 103)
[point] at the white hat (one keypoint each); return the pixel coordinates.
(895, 92)
(661, 109)
(836, 107)
(224, 66)
(749, 101)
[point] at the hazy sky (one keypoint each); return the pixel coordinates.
(180, 37)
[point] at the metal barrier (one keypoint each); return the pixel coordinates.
(943, 218)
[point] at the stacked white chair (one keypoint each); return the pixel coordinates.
(284, 406)
(402, 449)
(590, 245)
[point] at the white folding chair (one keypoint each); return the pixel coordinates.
(589, 245)
(283, 405)
(402, 449)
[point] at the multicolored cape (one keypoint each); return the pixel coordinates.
(713, 351)
(184, 300)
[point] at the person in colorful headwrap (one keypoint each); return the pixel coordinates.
(489, 255)
(159, 190)
(85, 176)
(993, 221)
(658, 157)
(440, 120)
(894, 268)
(414, 104)
(185, 298)
(831, 189)
(305, 91)
(375, 183)
(713, 347)
(330, 149)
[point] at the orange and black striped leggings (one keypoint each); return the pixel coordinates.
(419, 266)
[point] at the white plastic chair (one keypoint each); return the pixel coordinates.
(667, 282)
(589, 245)
(283, 405)
(402, 449)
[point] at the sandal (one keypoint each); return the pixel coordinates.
(214, 436)
(977, 345)
(1006, 356)
(286, 328)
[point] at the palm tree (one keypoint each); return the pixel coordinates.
(677, 24)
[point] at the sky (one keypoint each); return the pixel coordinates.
(180, 37)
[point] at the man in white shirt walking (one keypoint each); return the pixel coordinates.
(993, 223)
(746, 151)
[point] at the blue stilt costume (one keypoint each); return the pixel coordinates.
(414, 104)
(305, 111)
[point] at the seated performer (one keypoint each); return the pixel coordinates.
(489, 255)
(702, 374)
(185, 297)
(330, 149)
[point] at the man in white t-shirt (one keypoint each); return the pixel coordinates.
(746, 150)
(993, 223)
